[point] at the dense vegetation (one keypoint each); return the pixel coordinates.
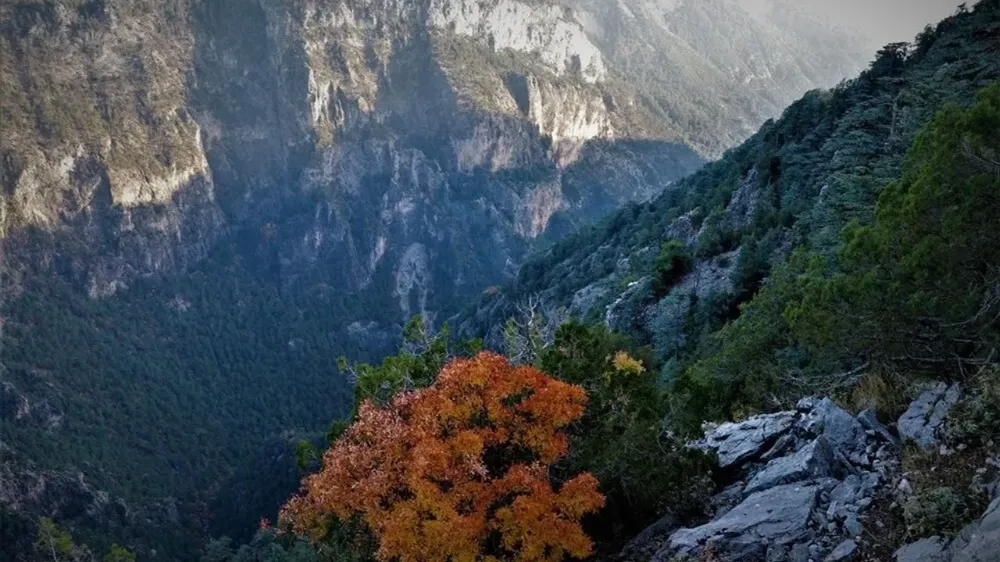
(458, 470)
(208, 374)
(784, 197)
(404, 457)
(821, 165)
(868, 261)
(914, 292)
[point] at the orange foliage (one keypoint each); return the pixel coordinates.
(458, 471)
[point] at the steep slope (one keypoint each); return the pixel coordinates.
(178, 122)
(795, 183)
(748, 64)
(204, 203)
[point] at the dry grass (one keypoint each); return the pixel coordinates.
(885, 391)
(884, 530)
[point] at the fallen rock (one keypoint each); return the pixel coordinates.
(933, 549)
(869, 420)
(844, 551)
(815, 460)
(781, 446)
(847, 491)
(736, 443)
(833, 422)
(922, 420)
(778, 516)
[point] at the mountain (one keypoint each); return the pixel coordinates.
(178, 124)
(204, 203)
(673, 271)
(776, 310)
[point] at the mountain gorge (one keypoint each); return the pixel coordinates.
(206, 202)
(176, 124)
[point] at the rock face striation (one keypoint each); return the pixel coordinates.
(925, 416)
(359, 136)
(802, 483)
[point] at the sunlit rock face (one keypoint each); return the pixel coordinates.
(417, 149)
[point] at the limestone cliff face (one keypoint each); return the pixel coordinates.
(382, 143)
(99, 141)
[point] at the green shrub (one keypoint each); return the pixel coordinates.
(976, 419)
(643, 469)
(936, 512)
(673, 263)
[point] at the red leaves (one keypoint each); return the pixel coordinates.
(441, 472)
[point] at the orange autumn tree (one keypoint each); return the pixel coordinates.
(458, 471)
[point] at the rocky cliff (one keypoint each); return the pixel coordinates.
(820, 484)
(138, 134)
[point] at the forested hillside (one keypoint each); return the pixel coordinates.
(675, 271)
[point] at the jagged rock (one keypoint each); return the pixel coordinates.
(587, 298)
(815, 460)
(981, 541)
(844, 551)
(926, 414)
(727, 499)
(852, 525)
(847, 491)
(738, 442)
(778, 516)
(743, 204)
(833, 422)
(780, 447)
(804, 499)
(650, 541)
(869, 420)
(799, 553)
(683, 229)
(924, 550)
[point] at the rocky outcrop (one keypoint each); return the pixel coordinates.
(774, 518)
(815, 460)
(925, 416)
(802, 482)
(735, 443)
(981, 541)
(932, 549)
(798, 485)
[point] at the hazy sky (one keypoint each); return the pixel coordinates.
(884, 21)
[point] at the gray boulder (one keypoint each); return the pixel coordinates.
(869, 420)
(981, 542)
(922, 420)
(736, 443)
(933, 549)
(815, 460)
(847, 491)
(778, 516)
(844, 551)
(826, 418)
